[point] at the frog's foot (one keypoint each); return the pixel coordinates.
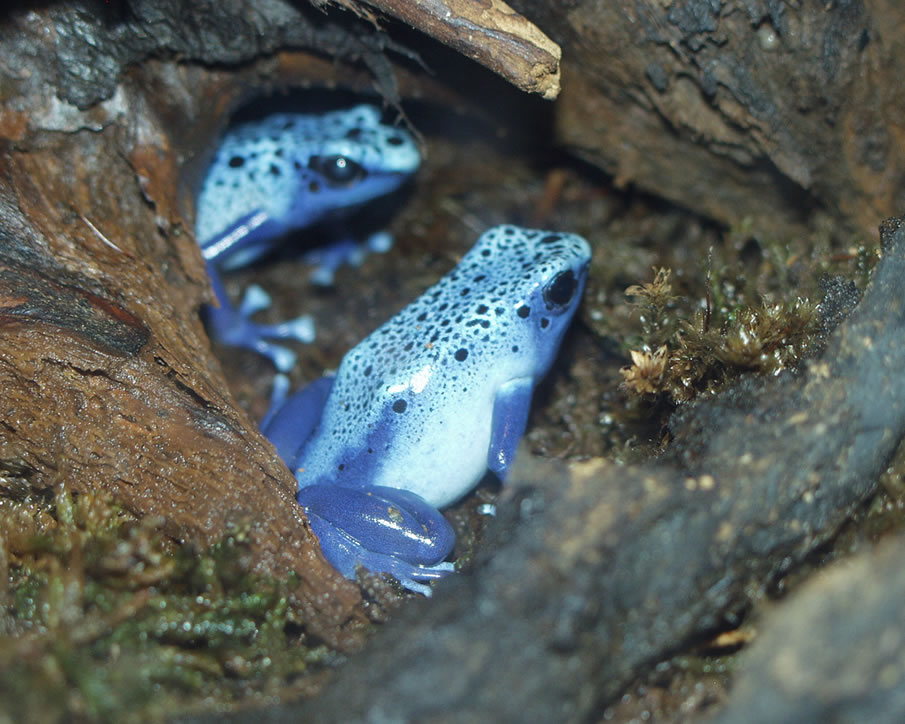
(329, 258)
(383, 529)
(233, 326)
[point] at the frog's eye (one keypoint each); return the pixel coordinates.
(559, 292)
(337, 170)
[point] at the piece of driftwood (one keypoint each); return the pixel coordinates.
(787, 113)
(601, 571)
(491, 33)
(101, 391)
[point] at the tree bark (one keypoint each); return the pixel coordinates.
(785, 113)
(108, 378)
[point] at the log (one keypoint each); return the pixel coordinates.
(109, 382)
(832, 652)
(787, 114)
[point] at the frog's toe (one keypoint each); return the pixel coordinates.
(347, 252)
(410, 577)
(282, 357)
(300, 329)
(322, 276)
(380, 242)
(254, 300)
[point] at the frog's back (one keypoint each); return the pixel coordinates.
(412, 404)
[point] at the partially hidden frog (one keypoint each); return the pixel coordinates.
(285, 172)
(420, 409)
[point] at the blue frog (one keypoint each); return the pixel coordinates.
(282, 173)
(425, 405)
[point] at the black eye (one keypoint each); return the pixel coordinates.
(560, 291)
(337, 170)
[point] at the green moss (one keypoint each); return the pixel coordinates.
(684, 352)
(105, 619)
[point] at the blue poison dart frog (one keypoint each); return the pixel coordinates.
(282, 173)
(420, 409)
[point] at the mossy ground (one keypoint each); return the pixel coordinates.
(104, 618)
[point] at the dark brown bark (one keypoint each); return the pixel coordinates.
(490, 33)
(788, 114)
(107, 375)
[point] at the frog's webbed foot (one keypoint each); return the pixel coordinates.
(233, 326)
(346, 555)
(239, 244)
(383, 529)
(348, 251)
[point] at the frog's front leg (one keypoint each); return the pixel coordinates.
(385, 530)
(510, 417)
(239, 244)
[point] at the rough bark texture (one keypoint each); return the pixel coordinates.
(746, 108)
(107, 376)
(610, 569)
(490, 33)
(79, 50)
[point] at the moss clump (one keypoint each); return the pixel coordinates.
(678, 359)
(105, 619)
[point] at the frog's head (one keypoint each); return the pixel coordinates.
(354, 157)
(498, 316)
(540, 277)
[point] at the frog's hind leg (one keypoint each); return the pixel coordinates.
(383, 529)
(291, 420)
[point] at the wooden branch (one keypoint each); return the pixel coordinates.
(108, 378)
(490, 32)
